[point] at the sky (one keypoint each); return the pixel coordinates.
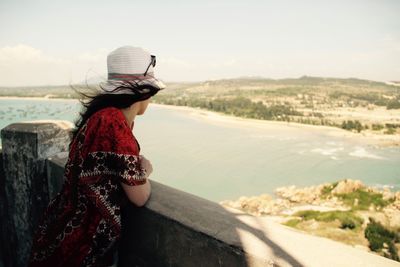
(50, 42)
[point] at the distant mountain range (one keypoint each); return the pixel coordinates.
(240, 83)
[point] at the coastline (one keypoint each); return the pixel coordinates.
(215, 117)
(36, 98)
(342, 211)
(373, 139)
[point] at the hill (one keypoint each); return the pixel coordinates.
(352, 104)
(348, 103)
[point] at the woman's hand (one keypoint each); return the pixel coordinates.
(146, 164)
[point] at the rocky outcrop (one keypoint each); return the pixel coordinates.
(362, 204)
(347, 186)
(323, 197)
(293, 194)
(259, 205)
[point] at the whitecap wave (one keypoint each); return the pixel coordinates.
(392, 187)
(361, 152)
(327, 151)
(262, 136)
(333, 143)
(287, 138)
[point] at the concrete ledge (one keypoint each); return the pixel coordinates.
(176, 228)
(50, 135)
(189, 234)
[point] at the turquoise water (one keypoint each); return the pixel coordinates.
(227, 161)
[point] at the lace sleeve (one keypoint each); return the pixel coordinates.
(125, 167)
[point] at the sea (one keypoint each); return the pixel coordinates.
(224, 161)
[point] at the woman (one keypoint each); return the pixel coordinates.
(82, 224)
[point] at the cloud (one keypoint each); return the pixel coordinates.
(23, 65)
(96, 56)
(19, 53)
(176, 62)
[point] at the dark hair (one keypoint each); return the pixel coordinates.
(99, 100)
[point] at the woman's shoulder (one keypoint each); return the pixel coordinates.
(108, 115)
(108, 112)
(108, 130)
(107, 121)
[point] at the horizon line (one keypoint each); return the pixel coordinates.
(255, 77)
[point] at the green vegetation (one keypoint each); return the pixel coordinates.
(352, 125)
(292, 222)
(393, 104)
(348, 223)
(306, 100)
(360, 199)
(377, 127)
(238, 106)
(391, 128)
(372, 97)
(365, 199)
(358, 126)
(326, 190)
(379, 237)
(346, 218)
(382, 239)
(291, 100)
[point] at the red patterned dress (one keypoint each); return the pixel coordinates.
(82, 224)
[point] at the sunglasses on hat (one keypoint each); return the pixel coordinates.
(152, 63)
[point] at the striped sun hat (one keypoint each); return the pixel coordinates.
(132, 64)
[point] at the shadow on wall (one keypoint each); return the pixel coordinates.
(176, 228)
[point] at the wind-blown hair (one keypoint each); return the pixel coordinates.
(94, 102)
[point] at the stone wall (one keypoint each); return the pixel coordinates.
(174, 228)
(2, 208)
(25, 148)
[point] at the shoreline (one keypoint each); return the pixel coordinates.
(368, 138)
(207, 115)
(36, 98)
(329, 210)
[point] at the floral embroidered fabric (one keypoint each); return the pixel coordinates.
(82, 224)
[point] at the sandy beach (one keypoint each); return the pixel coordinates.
(366, 137)
(220, 118)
